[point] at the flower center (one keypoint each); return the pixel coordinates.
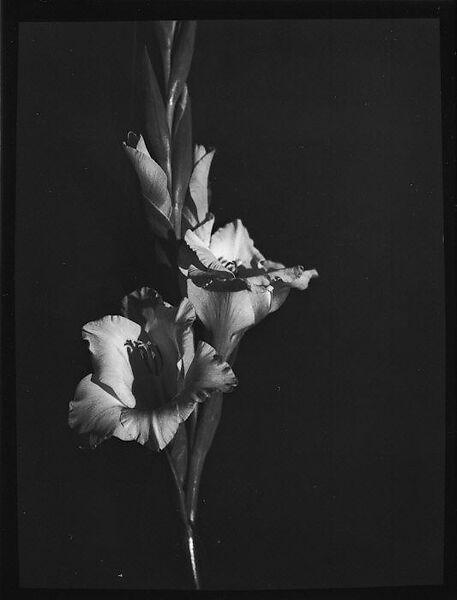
(231, 265)
(148, 353)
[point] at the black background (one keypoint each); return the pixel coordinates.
(328, 466)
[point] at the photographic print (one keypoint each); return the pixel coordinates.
(229, 303)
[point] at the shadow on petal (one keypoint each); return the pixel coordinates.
(95, 414)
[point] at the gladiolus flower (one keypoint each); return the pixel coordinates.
(230, 283)
(147, 375)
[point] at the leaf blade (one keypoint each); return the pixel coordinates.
(157, 130)
(182, 156)
(179, 452)
(209, 417)
(181, 59)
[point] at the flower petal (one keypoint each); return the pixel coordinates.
(198, 184)
(158, 427)
(280, 280)
(292, 277)
(95, 413)
(209, 373)
(167, 420)
(138, 424)
(204, 229)
(186, 255)
(203, 257)
(98, 415)
(271, 265)
(153, 184)
(228, 314)
(220, 280)
(279, 296)
(168, 327)
(233, 243)
(283, 280)
(107, 338)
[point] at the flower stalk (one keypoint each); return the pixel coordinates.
(152, 381)
(228, 281)
(189, 526)
(207, 426)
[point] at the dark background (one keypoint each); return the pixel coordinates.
(328, 466)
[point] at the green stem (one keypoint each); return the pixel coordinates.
(193, 427)
(191, 549)
(188, 527)
(206, 426)
(170, 107)
(208, 421)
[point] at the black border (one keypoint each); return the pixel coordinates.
(138, 10)
(15, 11)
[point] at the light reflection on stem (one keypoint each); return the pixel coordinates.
(209, 418)
(188, 526)
(193, 427)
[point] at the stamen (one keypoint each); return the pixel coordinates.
(148, 352)
(130, 345)
(231, 265)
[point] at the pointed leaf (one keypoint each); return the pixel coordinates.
(157, 131)
(189, 220)
(209, 418)
(182, 156)
(198, 185)
(199, 152)
(179, 453)
(165, 31)
(153, 183)
(183, 49)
